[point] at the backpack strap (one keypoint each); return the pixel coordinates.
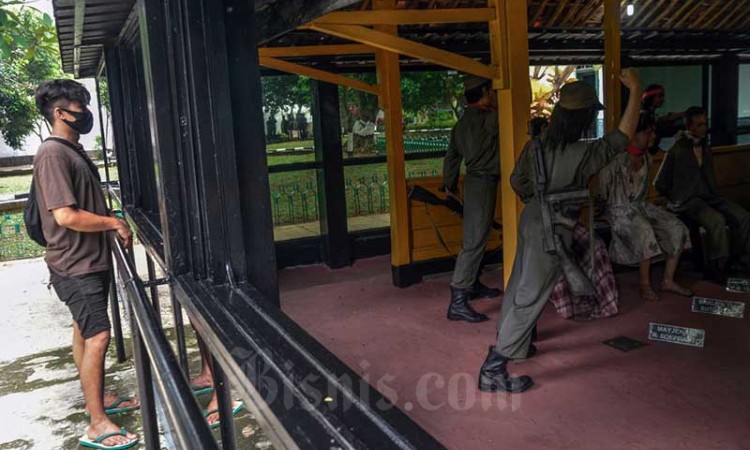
(79, 151)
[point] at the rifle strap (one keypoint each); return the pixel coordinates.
(437, 232)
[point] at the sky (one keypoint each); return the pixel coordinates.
(32, 142)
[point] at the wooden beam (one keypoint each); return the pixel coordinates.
(727, 19)
(561, 4)
(643, 9)
(688, 15)
(588, 12)
(317, 74)
(395, 44)
(703, 15)
(612, 69)
(678, 14)
(643, 18)
(408, 17)
(78, 19)
(539, 11)
(661, 15)
(738, 18)
(315, 50)
(509, 41)
(728, 4)
(389, 79)
(572, 11)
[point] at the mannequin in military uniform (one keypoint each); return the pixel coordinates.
(473, 141)
(568, 164)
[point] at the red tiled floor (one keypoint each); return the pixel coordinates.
(587, 395)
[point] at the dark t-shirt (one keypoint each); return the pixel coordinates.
(63, 178)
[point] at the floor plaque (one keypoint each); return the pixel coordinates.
(676, 335)
(624, 343)
(719, 307)
(740, 285)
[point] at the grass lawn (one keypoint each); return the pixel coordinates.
(14, 243)
(17, 184)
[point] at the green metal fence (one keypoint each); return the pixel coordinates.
(297, 202)
(14, 242)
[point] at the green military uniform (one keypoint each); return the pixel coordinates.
(535, 271)
(691, 190)
(474, 140)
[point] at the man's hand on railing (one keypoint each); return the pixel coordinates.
(124, 233)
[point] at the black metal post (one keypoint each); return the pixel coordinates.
(145, 390)
(224, 396)
(179, 329)
(114, 304)
(154, 288)
(331, 193)
(725, 80)
(249, 140)
(102, 130)
(706, 86)
(119, 127)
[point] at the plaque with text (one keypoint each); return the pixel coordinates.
(676, 335)
(719, 307)
(740, 285)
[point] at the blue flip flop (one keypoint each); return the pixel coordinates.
(236, 407)
(87, 442)
(114, 407)
(201, 390)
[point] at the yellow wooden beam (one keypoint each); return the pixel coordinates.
(315, 50)
(317, 74)
(408, 16)
(509, 47)
(389, 79)
(395, 44)
(612, 69)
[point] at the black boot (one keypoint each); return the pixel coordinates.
(460, 309)
(494, 377)
(478, 290)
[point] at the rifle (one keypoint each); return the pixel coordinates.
(452, 202)
(552, 205)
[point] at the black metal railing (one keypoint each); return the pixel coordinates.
(275, 367)
(157, 366)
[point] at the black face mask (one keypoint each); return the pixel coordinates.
(84, 121)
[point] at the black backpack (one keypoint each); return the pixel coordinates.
(32, 218)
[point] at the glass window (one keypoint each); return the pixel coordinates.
(294, 204)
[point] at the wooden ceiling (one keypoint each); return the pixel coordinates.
(647, 14)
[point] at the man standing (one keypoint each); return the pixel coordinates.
(74, 220)
(688, 181)
(474, 140)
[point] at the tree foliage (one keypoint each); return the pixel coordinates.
(28, 56)
(286, 93)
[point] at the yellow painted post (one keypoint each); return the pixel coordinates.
(389, 80)
(612, 69)
(509, 45)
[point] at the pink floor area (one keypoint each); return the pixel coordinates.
(587, 395)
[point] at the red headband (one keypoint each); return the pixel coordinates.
(654, 91)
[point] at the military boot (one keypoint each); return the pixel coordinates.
(460, 309)
(478, 290)
(494, 377)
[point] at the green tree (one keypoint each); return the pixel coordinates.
(352, 99)
(424, 93)
(28, 56)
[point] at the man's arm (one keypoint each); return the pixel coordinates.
(86, 222)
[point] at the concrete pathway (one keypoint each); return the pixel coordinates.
(41, 404)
